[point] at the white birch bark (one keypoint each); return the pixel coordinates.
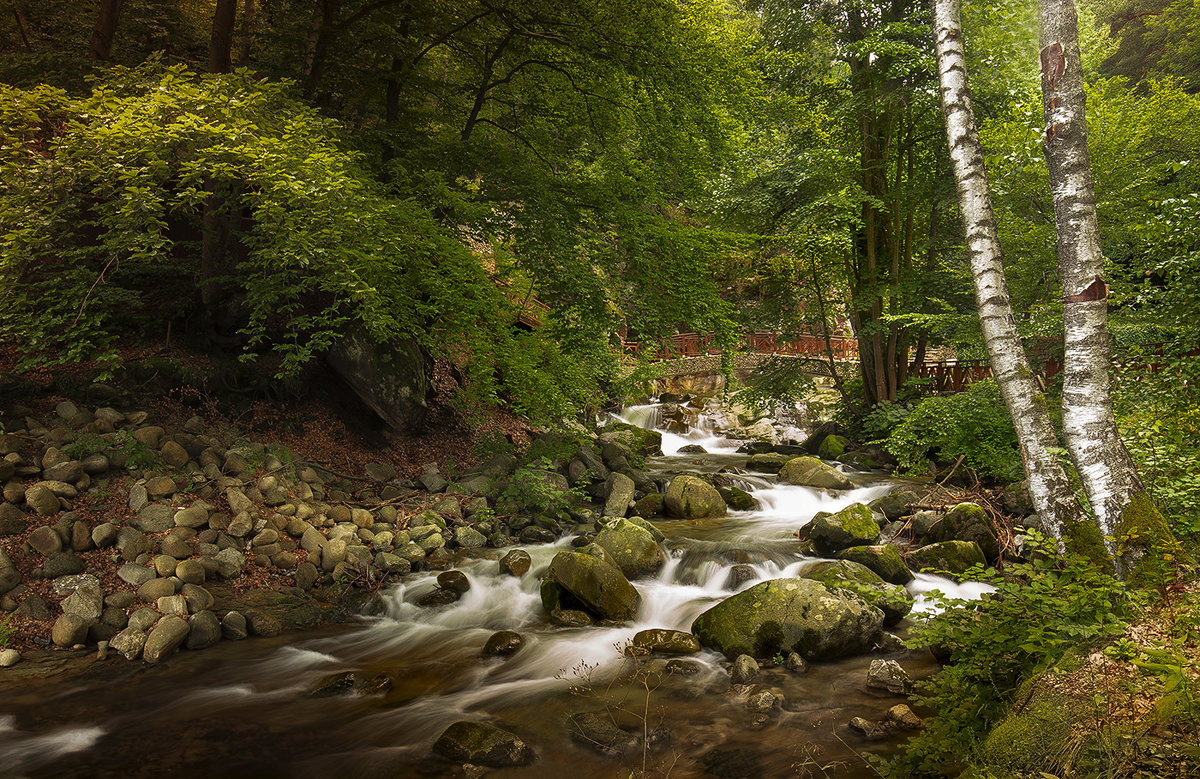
(1105, 469)
(1048, 484)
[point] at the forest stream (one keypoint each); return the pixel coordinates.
(246, 708)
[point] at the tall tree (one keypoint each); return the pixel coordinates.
(1048, 483)
(106, 27)
(1105, 468)
(219, 45)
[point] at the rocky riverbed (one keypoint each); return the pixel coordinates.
(730, 593)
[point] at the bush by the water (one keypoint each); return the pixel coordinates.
(974, 424)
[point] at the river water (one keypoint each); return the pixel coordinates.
(243, 709)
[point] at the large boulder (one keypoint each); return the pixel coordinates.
(619, 488)
(479, 743)
(168, 633)
(968, 522)
(790, 615)
(595, 579)
(832, 447)
(393, 379)
(689, 497)
(953, 557)
(892, 599)
(894, 505)
(854, 525)
(883, 559)
(811, 472)
(632, 547)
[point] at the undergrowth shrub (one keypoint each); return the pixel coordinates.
(974, 424)
(1040, 611)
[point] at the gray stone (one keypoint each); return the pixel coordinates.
(663, 642)
(173, 604)
(480, 743)
(229, 563)
(134, 574)
(165, 637)
(854, 525)
(789, 615)
(174, 455)
(164, 565)
(888, 675)
(104, 535)
(380, 472)
(195, 515)
(143, 619)
(892, 599)
(598, 732)
(176, 547)
(205, 630)
(306, 574)
(392, 379)
(744, 670)
(62, 564)
(155, 518)
(469, 537)
(455, 581)
(516, 563)
(41, 498)
(689, 497)
(138, 498)
(13, 521)
(9, 658)
(504, 643)
(592, 576)
(238, 502)
(35, 607)
(69, 630)
(154, 589)
(131, 543)
(233, 626)
(45, 541)
(632, 547)
(262, 624)
(619, 490)
(129, 643)
(86, 602)
(69, 471)
(190, 571)
(811, 472)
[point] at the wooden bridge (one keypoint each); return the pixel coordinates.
(945, 377)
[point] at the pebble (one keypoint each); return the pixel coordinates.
(9, 658)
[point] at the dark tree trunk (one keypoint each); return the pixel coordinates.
(106, 27)
(221, 42)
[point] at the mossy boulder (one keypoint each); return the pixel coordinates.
(790, 615)
(968, 522)
(690, 497)
(481, 743)
(738, 499)
(892, 599)
(854, 525)
(593, 577)
(632, 547)
(768, 462)
(662, 641)
(895, 504)
(811, 472)
(638, 440)
(883, 559)
(833, 447)
(649, 506)
(954, 557)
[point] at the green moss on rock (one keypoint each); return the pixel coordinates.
(883, 559)
(1149, 552)
(833, 446)
(892, 599)
(954, 557)
(854, 525)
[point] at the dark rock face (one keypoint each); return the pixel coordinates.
(392, 379)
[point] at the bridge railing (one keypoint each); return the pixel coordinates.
(698, 345)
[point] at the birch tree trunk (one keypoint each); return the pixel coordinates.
(1048, 484)
(1105, 469)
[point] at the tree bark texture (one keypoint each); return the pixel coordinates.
(1048, 484)
(105, 29)
(1105, 468)
(221, 42)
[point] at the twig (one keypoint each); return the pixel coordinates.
(953, 468)
(89, 292)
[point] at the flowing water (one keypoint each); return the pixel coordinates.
(242, 709)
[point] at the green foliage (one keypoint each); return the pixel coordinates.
(1158, 413)
(121, 443)
(974, 424)
(532, 487)
(773, 381)
(1041, 610)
